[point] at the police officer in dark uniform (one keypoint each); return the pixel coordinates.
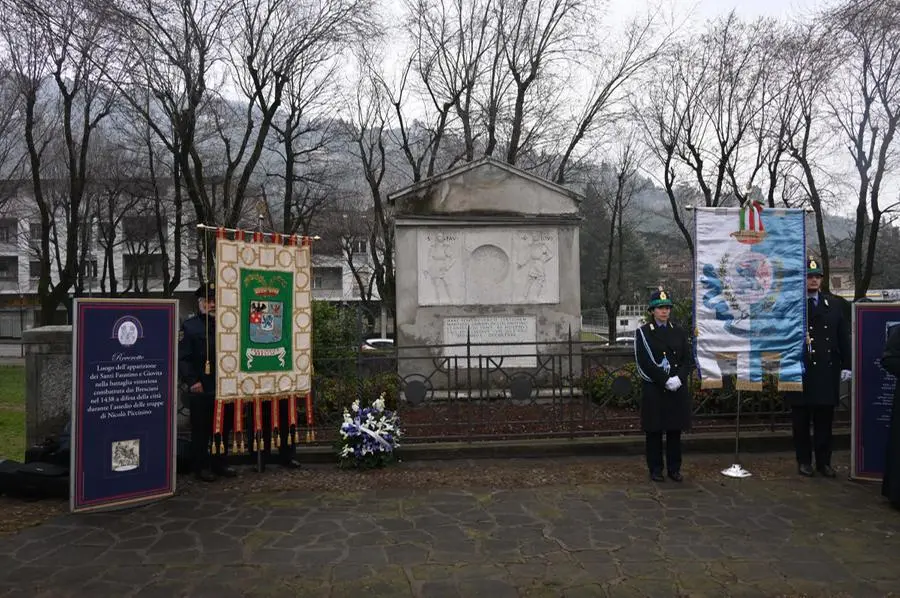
(664, 360)
(827, 361)
(197, 370)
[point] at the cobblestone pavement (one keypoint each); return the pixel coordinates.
(708, 537)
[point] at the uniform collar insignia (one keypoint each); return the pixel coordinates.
(652, 327)
(825, 301)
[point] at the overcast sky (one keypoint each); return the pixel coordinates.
(619, 10)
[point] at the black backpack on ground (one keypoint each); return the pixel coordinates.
(34, 480)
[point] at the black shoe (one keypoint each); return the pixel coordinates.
(225, 472)
(291, 464)
(806, 470)
(827, 471)
(675, 476)
(206, 475)
(657, 476)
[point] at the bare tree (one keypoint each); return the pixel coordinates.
(54, 50)
(367, 128)
(534, 36)
(302, 134)
(808, 59)
(709, 112)
(613, 71)
(866, 108)
(616, 190)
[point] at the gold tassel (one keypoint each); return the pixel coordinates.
(206, 368)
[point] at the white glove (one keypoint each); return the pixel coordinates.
(845, 375)
(673, 383)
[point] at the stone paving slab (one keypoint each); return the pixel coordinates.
(753, 537)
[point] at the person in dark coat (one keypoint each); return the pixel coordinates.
(197, 370)
(826, 359)
(664, 359)
(890, 484)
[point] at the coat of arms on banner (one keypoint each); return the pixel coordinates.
(749, 295)
(265, 321)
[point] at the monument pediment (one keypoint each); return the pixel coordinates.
(486, 187)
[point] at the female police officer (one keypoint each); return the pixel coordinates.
(663, 357)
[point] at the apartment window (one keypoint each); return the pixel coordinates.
(358, 246)
(327, 278)
(9, 268)
(623, 322)
(141, 229)
(140, 266)
(8, 229)
(193, 267)
(34, 231)
(34, 269)
(836, 283)
(89, 269)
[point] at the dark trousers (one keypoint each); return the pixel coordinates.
(202, 411)
(821, 417)
(286, 451)
(655, 451)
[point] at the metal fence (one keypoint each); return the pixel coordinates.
(475, 391)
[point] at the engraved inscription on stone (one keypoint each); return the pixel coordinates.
(493, 266)
(491, 329)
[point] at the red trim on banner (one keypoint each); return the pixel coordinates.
(292, 420)
(218, 425)
(276, 425)
(238, 445)
(257, 424)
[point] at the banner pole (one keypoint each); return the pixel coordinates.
(260, 466)
(736, 471)
(737, 431)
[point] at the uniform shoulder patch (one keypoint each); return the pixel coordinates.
(181, 334)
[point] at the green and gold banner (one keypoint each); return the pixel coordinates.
(263, 319)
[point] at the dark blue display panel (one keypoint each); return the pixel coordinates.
(123, 402)
(873, 388)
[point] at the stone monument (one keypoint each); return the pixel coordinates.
(48, 381)
(487, 253)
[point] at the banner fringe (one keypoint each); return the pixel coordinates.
(748, 385)
(711, 384)
(790, 386)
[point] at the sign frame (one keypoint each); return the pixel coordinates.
(856, 457)
(142, 497)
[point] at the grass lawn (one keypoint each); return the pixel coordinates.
(12, 412)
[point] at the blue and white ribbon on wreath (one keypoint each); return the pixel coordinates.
(663, 365)
(369, 432)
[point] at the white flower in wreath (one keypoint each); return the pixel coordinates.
(379, 403)
(347, 418)
(355, 406)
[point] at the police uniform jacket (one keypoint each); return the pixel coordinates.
(826, 353)
(660, 353)
(193, 351)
